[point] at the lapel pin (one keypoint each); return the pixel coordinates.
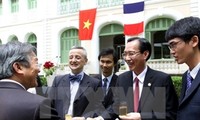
(149, 84)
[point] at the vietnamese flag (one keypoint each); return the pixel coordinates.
(86, 23)
(134, 17)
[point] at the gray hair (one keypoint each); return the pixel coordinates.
(14, 51)
(81, 48)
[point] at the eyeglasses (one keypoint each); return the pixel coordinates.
(131, 54)
(173, 45)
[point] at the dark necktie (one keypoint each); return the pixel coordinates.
(189, 81)
(74, 78)
(136, 94)
(105, 80)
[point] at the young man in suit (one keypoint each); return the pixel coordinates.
(184, 43)
(18, 72)
(75, 93)
(107, 61)
(147, 93)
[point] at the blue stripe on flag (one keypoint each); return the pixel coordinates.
(133, 7)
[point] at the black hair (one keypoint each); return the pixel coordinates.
(144, 45)
(185, 29)
(108, 51)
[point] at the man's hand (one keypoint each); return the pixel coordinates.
(131, 116)
(78, 118)
(96, 118)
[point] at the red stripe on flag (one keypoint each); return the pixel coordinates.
(133, 29)
(86, 23)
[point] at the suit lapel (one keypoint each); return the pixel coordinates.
(84, 84)
(147, 86)
(184, 82)
(128, 89)
(112, 84)
(66, 85)
(195, 85)
(113, 81)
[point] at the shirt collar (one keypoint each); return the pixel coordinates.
(141, 76)
(194, 71)
(12, 81)
(108, 78)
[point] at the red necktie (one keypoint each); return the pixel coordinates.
(136, 94)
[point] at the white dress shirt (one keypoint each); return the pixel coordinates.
(141, 77)
(73, 90)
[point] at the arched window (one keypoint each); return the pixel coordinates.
(68, 39)
(32, 39)
(155, 33)
(14, 38)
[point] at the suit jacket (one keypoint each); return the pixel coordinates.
(158, 100)
(108, 98)
(18, 104)
(86, 100)
(189, 105)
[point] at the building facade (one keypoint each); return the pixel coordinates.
(52, 26)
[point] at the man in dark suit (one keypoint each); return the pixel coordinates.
(18, 72)
(184, 43)
(148, 94)
(75, 93)
(107, 61)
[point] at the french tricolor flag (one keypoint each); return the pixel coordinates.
(133, 17)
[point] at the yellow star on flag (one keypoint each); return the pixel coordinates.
(87, 24)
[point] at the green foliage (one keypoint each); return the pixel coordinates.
(49, 71)
(43, 80)
(177, 81)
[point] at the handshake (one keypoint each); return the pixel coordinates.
(129, 116)
(68, 117)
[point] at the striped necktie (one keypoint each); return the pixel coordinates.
(189, 81)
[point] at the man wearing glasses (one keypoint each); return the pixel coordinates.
(183, 38)
(148, 94)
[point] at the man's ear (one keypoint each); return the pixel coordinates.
(18, 67)
(195, 40)
(146, 53)
(86, 60)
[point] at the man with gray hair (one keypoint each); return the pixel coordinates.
(18, 72)
(75, 94)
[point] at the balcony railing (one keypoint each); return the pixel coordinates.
(165, 65)
(72, 6)
(109, 3)
(69, 7)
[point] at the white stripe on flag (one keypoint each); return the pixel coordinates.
(134, 17)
